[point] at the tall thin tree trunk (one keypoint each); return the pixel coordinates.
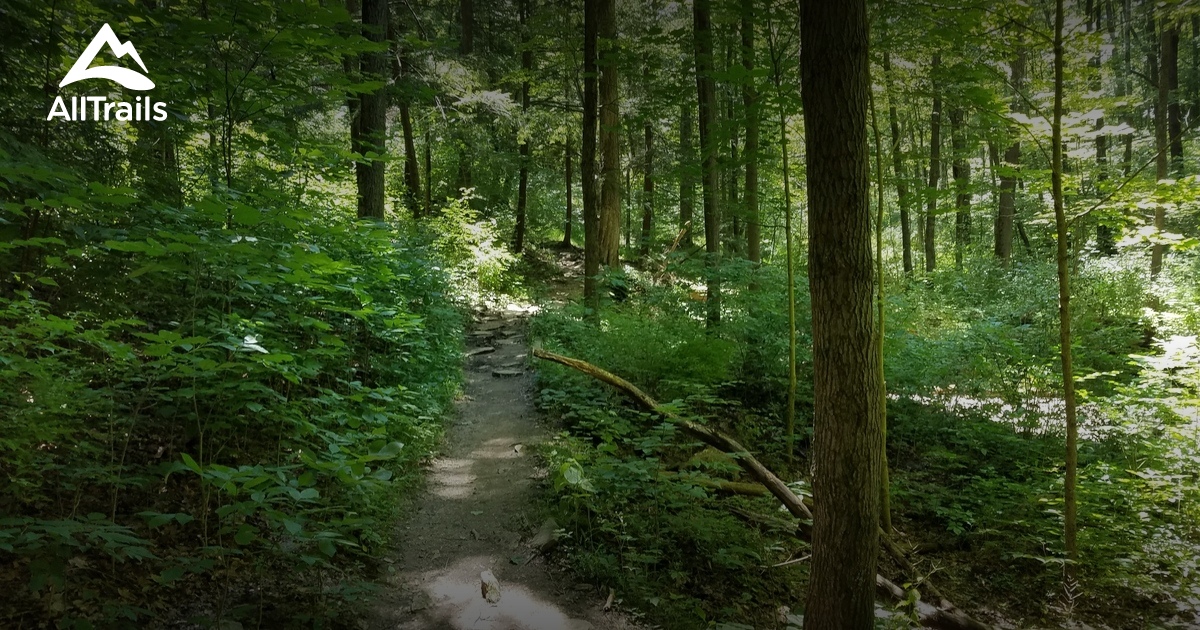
(898, 170)
(587, 161)
(1161, 145)
(648, 192)
(885, 483)
(962, 183)
(790, 427)
(372, 115)
(750, 102)
(847, 435)
(935, 169)
(610, 142)
(1064, 298)
(790, 417)
(731, 174)
(687, 184)
(707, 97)
(412, 176)
(568, 166)
(1170, 71)
(628, 196)
(518, 243)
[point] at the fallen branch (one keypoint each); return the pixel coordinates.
(712, 437)
(945, 616)
(720, 485)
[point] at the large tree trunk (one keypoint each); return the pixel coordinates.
(847, 435)
(707, 97)
(750, 102)
(610, 139)
(648, 192)
(372, 114)
(687, 184)
(898, 171)
(518, 243)
(962, 184)
(587, 161)
(935, 170)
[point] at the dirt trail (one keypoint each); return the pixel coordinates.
(477, 513)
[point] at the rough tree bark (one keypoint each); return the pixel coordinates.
(610, 140)
(847, 434)
(707, 97)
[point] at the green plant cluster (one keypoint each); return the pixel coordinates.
(207, 408)
(975, 442)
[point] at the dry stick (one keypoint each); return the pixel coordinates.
(946, 615)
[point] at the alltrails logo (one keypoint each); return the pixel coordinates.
(101, 108)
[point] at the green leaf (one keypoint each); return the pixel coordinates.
(389, 451)
(245, 535)
(327, 547)
(191, 463)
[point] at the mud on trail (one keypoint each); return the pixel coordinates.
(478, 513)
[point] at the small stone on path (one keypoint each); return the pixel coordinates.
(490, 587)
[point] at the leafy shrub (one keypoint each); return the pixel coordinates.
(208, 404)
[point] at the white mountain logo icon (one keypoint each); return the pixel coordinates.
(131, 79)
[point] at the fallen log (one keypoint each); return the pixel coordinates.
(944, 616)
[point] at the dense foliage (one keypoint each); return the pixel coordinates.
(217, 379)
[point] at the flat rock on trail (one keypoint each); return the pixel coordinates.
(477, 514)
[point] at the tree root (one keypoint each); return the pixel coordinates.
(945, 615)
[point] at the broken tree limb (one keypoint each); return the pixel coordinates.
(720, 485)
(944, 616)
(712, 437)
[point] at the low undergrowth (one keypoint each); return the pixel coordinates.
(212, 412)
(976, 492)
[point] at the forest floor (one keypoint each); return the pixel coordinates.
(479, 512)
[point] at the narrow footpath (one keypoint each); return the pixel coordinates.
(477, 519)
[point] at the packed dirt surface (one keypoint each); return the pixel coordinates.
(478, 513)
